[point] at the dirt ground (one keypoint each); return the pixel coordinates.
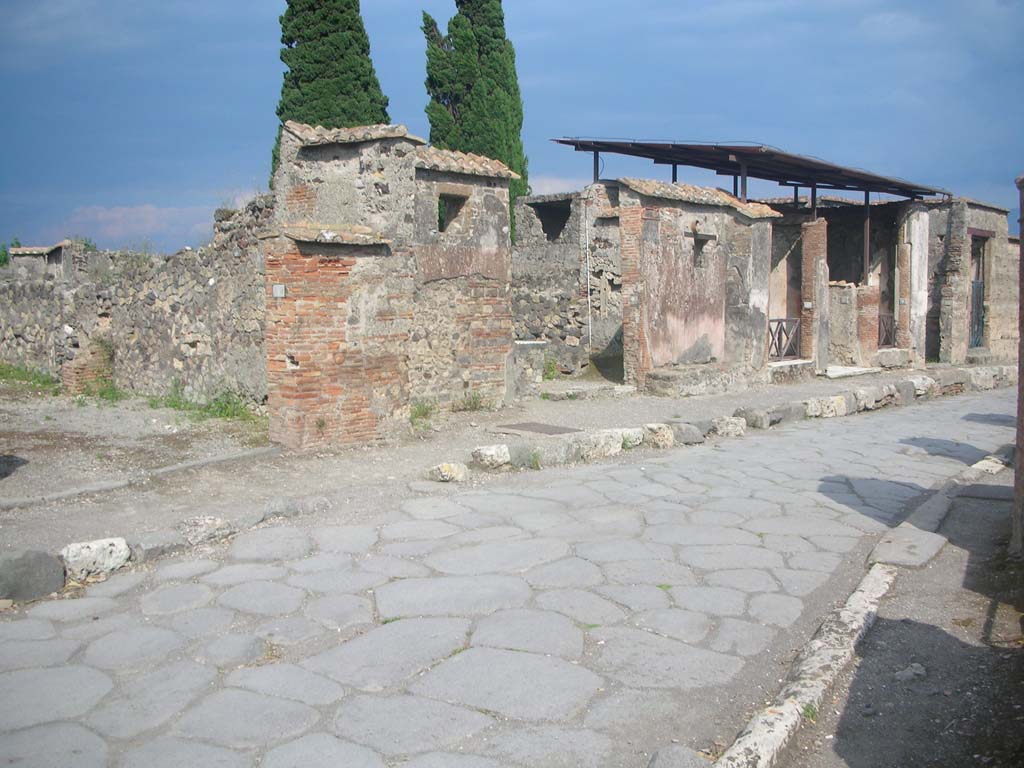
(938, 679)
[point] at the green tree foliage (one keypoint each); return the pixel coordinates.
(330, 79)
(475, 102)
(5, 254)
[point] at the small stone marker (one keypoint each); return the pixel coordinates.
(449, 472)
(91, 558)
(492, 456)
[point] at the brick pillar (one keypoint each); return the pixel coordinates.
(635, 357)
(868, 300)
(814, 293)
(904, 337)
(90, 368)
(1016, 548)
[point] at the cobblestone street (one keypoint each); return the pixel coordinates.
(574, 617)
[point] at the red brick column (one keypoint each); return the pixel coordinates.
(814, 265)
(868, 299)
(90, 368)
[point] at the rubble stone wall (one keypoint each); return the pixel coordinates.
(193, 319)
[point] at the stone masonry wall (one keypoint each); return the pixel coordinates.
(194, 318)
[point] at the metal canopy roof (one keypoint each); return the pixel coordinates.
(759, 162)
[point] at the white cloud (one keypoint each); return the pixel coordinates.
(129, 225)
(549, 185)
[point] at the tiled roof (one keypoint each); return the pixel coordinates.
(312, 136)
(699, 195)
(347, 234)
(38, 250)
(450, 161)
(970, 201)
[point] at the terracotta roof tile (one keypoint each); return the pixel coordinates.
(312, 136)
(450, 161)
(38, 250)
(699, 195)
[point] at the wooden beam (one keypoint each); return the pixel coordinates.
(867, 237)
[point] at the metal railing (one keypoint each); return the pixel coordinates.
(784, 338)
(886, 330)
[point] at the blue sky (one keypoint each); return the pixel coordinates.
(129, 121)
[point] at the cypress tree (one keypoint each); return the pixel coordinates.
(475, 102)
(330, 79)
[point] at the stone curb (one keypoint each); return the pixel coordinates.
(815, 670)
(586, 447)
(811, 676)
(116, 485)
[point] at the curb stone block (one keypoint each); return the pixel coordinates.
(756, 418)
(150, 546)
(729, 426)
(29, 575)
(599, 445)
(794, 411)
(686, 434)
(89, 558)
(924, 386)
(660, 435)
(906, 392)
(633, 438)
(449, 472)
(826, 407)
(492, 456)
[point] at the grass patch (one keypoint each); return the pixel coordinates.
(226, 405)
(473, 401)
(106, 391)
(810, 712)
(545, 395)
(550, 369)
(535, 460)
(17, 374)
(665, 587)
(573, 396)
(420, 413)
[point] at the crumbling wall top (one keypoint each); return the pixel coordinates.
(315, 136)
(688, 193)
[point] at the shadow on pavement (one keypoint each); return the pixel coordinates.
(951, 449)
(939, 682)
(883, 501)
(10, 464)
(996, 419)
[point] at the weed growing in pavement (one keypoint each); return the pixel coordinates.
(17, 374)
(420, 413)
(226, 405)
(810, 712)
(473, 401)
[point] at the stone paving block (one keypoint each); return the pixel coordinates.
(450, 596)
(242, 719)
(271, 544)
(519, 685)
(555, 747)
(132, 648)
(35, 696)
(778, 610)
(531, 631)
(799, 583)
(584, 607)
(488, 533)
(232, 650)
(391, 653)
(641, 597)
(117, 585)
(688, 626)
(786, 544)
(26, 629)
(623, 549)
(412, 548)
(176, 599)
(498, 557)
(617, 711)
(743, 579)
(60, 745)
(570, 572)
(21, 654)
(185, 570)
(326, 561)
(640, 659)
(825, 562)
(337, 582)
(402, 725)
(677, 756)
(714, 517)
(151, 700)
(340, 612)
(539, 520)
(649, 572)
(433, 508)
(507, 504)
(419, 529)
(742, 637)
(730, 556)
(393, 567)
(353, 539)
(800, 525)
(202, 622)
(90, 630)
(230, 575)
(168, 752)
(73, 610)
(287, 681)
(321, 750)
(695, 535)
(264, 598)
(292, 630)
(449, 760)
